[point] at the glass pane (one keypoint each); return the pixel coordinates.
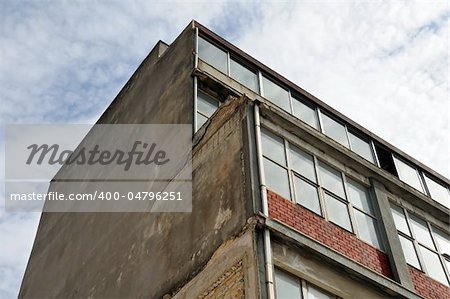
(200, 120)
(361, 147)
(447, 264)
(409, 252)
(399, 219)
(433, 265)
(276, 94)
(243, 75)
(315, 293)
(337, 212)
(408, 174)
(206, 104)
(212, 55)
(359, 196)
(443, 241)
(331, 179)
(367, 228)
(286, 286)
(273, 147)
(334, 130)
(306, 195)
(438, 192)
(302, 163)
(421, 231)
(305, 113)
(276, 178)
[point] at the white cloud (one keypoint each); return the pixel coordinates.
(383, 64)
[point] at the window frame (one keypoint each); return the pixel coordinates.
(322, 191)
(302, 284)
(398, 159)
(198, 92)
(227, 54)
(416, 244)
(242, 63)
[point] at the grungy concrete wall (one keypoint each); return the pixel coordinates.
(230, 273)
(148, 255)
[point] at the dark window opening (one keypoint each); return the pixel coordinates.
(386, 160)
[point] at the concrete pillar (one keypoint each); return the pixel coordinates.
(390, 236)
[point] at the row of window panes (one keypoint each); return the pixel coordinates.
(413, 177)
(290, 287)
(424, 246)
(219, 59)
(318, 187)
(334, 129)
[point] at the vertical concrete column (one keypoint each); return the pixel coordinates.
(389, 234)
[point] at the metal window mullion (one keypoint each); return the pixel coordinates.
(228, 64)
(365, 213)
(195, 104)
(304, 289)
(290, 175)
(319, 118)
(425, 189)
(374, 153)
(349, 206)
(196, 48)
(320, 189)
(346, 135)
(260, 83)
(303, 178)
(290, 101)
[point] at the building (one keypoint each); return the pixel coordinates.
(291, 199)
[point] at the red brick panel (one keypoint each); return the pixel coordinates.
(327, 233)
(428, 287)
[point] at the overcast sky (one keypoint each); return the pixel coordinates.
(383, 64)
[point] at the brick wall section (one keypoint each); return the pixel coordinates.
(327, 233)
(230, 285)
(428, 287)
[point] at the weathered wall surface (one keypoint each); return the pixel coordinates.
(230, 273)
(148, 255)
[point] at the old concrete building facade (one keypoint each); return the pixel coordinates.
(291, 199)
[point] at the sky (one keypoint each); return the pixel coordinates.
(384, 64)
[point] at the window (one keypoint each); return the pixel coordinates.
(334, 129)
(276, 94)
(318, 187)
(243, 75)
(213, 55)
(305, 113)
(361, 147)
(424, 246)
(438, 192)
(408, 174)
(337, 212)
(366, 220)
(275, 166)
(206, 106)
(290, 287)
(331, 179)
